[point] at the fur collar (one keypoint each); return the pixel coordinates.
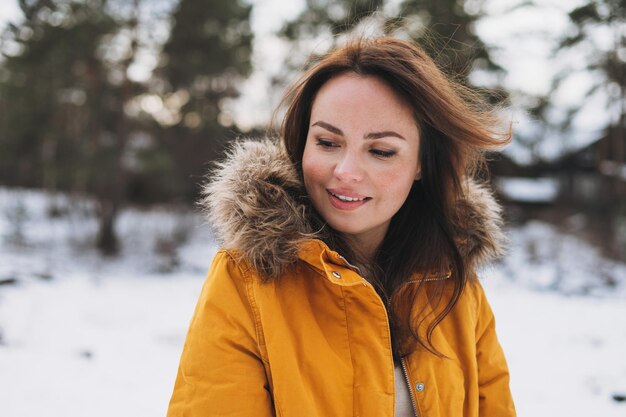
(254, 201)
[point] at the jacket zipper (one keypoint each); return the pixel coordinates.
(404, 371)
(406, 378)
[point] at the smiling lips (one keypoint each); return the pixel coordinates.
(345, 200)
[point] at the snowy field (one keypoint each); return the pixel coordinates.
(84, 336)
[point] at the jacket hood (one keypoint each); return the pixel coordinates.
(256, 204)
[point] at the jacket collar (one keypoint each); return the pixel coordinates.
(255, 203)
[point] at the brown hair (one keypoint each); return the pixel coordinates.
(455, 130)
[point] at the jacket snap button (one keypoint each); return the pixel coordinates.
(336, 274)
(419, 386)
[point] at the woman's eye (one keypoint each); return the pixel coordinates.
(326, 143)
(382, 153)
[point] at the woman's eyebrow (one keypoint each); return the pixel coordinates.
(386, 133)
(372, 135)
(328, 127)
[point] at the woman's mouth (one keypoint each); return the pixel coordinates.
(346, 200)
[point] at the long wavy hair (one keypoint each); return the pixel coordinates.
(456, 128)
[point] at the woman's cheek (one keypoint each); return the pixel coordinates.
(313, 167)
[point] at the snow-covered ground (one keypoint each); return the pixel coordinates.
(85, 336)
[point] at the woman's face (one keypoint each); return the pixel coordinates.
(361, 156)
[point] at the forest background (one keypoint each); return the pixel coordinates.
(129, 101)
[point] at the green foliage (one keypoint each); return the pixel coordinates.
(157, 179)
(207, 56)
(65, 89)
(71, 116)
(209, 47)
(45, 84)
(64, 126)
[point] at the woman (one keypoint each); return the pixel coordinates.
(347, 285)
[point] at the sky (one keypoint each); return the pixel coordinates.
(522, 41)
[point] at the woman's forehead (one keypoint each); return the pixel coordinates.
(367, 101)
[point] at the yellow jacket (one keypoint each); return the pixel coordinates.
(314, 341)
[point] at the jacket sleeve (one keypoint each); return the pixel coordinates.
(221, 372)
(495, 398)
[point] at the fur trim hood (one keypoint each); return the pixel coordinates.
(255, 202)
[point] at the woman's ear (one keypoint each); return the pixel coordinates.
(418, 175)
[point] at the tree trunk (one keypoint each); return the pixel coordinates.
(107, 241)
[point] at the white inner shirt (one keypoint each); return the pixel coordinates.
(403, 407)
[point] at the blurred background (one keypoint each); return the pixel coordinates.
(112, 110)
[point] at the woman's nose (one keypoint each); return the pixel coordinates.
(348, 168)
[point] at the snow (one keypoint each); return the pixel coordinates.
(83, 335)
(75, 347)
(565, 354)
(529, 190)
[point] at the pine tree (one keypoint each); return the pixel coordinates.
(205, 59)
(62, 97)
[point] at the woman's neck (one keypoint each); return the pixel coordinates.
(364, 255)
(365, 246)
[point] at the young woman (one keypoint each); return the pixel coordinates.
(347, 284)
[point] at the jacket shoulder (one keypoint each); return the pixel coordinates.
(234, 261)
